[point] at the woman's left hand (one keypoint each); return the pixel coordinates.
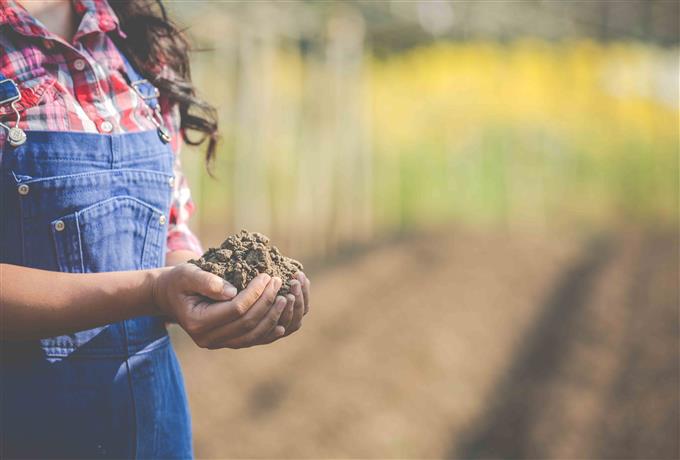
(297, 304)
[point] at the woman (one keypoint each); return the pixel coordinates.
(93, 203)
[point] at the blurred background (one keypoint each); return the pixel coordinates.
(485, 196)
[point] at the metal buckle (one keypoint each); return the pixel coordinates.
(135, 85)
(155, 117)
(15, 135)
(14, 98)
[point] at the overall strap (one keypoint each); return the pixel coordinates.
(144, 88)
(10, 94)
(9, 91)
(149, 94)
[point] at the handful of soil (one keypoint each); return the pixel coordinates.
(242, 256)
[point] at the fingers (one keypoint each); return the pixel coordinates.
(306, 286)
(254, 311)
(275, 334)
(254, 316)
(207, 284)
(263, 330)
(260, 285)
(298, 307)
(220, 313)
(287, 315)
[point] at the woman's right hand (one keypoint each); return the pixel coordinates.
(213, 314)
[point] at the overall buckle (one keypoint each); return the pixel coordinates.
(136, 85)
(149, 92)
(10, 94)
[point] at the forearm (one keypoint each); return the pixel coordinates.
(38, 303)
(178, 257)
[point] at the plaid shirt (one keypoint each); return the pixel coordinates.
(81, 86)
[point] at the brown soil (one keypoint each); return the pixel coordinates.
(241, 257)
(461, 344)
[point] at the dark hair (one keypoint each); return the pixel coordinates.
(153, 42)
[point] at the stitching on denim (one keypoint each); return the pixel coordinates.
(52, 154)
(22, 214)
(141, 172)
(131, 386)
(146, 240)
(136, 348)
(55, 246)
(99, 204)
(80, 245)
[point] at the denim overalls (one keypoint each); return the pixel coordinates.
(80, 202)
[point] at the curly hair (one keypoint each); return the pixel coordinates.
(154, 42)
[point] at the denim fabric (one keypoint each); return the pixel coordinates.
(77, 202)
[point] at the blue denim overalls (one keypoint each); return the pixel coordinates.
(80, 202)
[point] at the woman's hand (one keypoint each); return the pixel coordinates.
(210, 311)
(39, 303)
(297, 304)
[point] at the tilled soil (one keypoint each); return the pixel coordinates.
(241, 257)
(461, 345)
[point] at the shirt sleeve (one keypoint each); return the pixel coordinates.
(182, 206)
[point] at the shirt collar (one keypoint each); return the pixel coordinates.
(95, 16)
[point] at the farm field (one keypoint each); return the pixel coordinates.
(527, 133)
(462, 344)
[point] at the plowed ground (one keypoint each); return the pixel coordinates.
(463, 345)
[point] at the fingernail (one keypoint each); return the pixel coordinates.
(229, 290)
(265, 277)
(280, 304)
(291, 298)
(277, 281)
(301, 277)
(296, 288)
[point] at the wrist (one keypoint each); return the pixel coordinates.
(152, 293)
(179, 257)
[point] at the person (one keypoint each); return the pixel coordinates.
(95, 100)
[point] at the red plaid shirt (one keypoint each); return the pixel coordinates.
(80, 86)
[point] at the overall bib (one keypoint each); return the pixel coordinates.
(81, 202)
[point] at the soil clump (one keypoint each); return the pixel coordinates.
(241, 257)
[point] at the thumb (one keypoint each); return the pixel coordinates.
(211, 286)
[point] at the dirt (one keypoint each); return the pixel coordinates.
(241, 257)
(461, 344)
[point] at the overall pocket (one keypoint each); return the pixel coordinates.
(119, 233)
(116, 234)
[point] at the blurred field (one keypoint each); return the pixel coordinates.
(344, 149)
(485, 195)
(462, 344)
